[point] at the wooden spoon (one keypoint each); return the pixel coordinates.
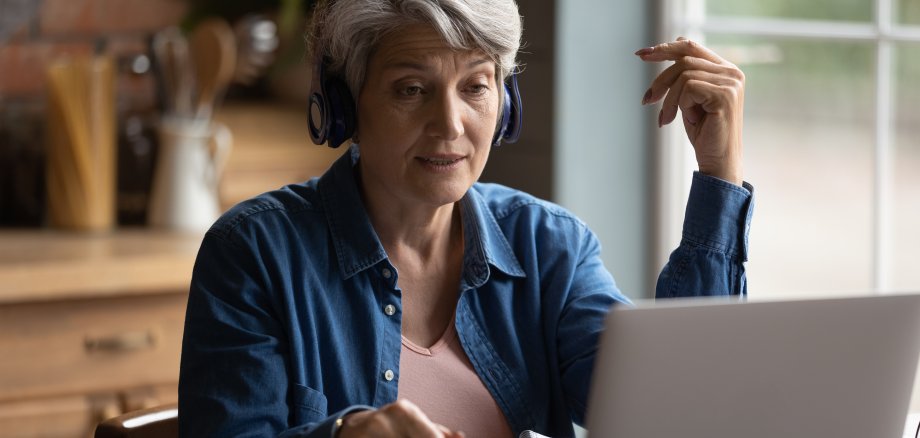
(213, 49)
(171, 50)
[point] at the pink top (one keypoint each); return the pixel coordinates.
(441, 381)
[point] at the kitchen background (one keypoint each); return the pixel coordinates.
(269, 85)
(92, 300)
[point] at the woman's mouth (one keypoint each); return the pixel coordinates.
(441, 163)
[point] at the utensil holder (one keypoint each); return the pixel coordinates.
(81, 144)
(191, 158)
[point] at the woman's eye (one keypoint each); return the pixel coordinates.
(478, 88)
(411, 90)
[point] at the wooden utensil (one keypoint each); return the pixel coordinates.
(172, 53)
(213, 50)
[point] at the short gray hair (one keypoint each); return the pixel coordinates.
(348, 31)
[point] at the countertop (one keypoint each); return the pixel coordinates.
(43, 265)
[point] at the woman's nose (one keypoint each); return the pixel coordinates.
(446, 120)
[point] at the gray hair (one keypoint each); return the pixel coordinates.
(348, 31)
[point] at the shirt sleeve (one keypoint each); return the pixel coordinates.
(590, 293)
(233, 378)
(714, 243)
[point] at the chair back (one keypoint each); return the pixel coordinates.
(156, 422)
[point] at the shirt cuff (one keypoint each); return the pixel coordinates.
(718, 215)
(326, 429)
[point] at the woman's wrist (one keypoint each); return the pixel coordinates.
(345, 418)
(337, 428)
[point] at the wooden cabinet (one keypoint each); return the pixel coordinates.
(91, 324)
(90, 327)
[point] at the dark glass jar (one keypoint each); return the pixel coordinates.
(22, 164)
(137, 137)
(137, 146)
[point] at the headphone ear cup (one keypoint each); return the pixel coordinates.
(316, 118)
(341, 118)
(509, 126)
(332, 110)
(318, 108)
(504, 119)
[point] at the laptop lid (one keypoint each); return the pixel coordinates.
(841, 367)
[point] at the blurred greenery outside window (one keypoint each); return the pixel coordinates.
(832, 122)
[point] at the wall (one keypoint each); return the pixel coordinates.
(586, 141)
(69, 27)
(528, 164)
(603, 137)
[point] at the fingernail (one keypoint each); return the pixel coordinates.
(645, 51)
(647, 96)
(660, 118)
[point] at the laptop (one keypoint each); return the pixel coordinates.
(832, 367)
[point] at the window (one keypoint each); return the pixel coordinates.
(832, 139)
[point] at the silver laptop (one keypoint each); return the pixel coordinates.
(836, 368)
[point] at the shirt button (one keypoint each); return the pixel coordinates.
(386, 273)
(389, 309)
(388, 374)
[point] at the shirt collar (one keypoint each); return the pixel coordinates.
(357, 246)
(485, 242)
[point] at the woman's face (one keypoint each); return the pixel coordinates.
(426, 117)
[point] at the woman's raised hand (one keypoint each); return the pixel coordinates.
(709, 91)
(399, 419)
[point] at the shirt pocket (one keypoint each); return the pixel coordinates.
(308, 405)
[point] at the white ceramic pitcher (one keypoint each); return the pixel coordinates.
(190, 160)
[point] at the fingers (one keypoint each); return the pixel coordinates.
(665, 79)
(696, 99)
(692, 62)
(414, 422)
(691, 82)
(449, 433)
(399, 419)
(675, 50)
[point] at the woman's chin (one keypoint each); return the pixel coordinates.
(442, 193)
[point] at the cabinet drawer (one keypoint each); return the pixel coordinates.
(57, 417)
(83, 346)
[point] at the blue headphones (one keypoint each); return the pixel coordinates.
(332, 110)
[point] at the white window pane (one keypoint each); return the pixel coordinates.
(906, 182)
(908, 11)
(835, 10)
(809, 142)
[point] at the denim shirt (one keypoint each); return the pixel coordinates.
(288, 325)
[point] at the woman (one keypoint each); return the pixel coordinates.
(395, 295)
